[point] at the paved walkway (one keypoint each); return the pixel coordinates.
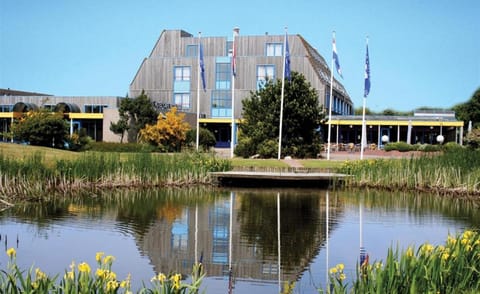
(337, 155)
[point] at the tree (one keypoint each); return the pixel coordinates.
(470, 110)
(206, 138)
(259, 129)
(119, 128)
(134, 115)
(41, 128)
(169, 133)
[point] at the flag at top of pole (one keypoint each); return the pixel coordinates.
(367, 74)
(234, 52)
(335, 58)
(287, 59)
(202, 67)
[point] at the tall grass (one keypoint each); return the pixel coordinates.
(454, 171)
(32, 175)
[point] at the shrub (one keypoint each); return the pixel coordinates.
(205, 137)
(400, 146)
(245, 148)
(121, 147)
(268, 149)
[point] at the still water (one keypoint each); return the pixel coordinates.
(267, 237)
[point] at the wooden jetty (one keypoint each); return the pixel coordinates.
(276, 178)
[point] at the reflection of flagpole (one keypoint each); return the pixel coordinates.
(278, 240)
(196, 232)
(326, 237)
(230, 270)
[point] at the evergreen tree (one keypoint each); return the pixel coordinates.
(259, 129)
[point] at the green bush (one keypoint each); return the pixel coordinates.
(245, 148)
(429, 148)
(400, 146)
(121, 147)
(206, 138)
(269, 149)
(452, 146)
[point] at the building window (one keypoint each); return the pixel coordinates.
(191, 50)
(182, 100)
(274, 49)
(92, 108)
(182, 73)
(221, 103)
(229, 48)
(6, 108)
(264, 73)
(223, 76)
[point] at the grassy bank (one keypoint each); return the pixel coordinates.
(28, 176)
(455, 171)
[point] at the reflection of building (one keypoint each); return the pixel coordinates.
(171, 245)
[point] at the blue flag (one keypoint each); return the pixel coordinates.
(287, 59)
(335, 58)
(367, 75)
(202, 67)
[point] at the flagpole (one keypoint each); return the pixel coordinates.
(330, 107)
(198, 90)
(282, 97)
(367, 88)
(234, 49)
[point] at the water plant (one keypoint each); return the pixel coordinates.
(31, 175)
(82, 278)
(454, 171)
(449, 268)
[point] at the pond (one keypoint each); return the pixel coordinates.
(249, 240)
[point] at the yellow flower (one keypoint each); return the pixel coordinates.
(111, 275)
(445, 256)
(333, 270)
(108, 259)
(161, 277)
(176, 281)
(340, 266)
(468, 234)
(112, 285)
(342, 277)
(451, 240)
(464, 241)
(98, 256)
(409, 252)
(39, 275)
(100, 273)
(84, 267)
(11, 253)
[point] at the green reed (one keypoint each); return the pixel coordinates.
(455, 171)
(449, 268)
(33, 176)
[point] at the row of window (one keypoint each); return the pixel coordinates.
(88, 108)
(271, 49)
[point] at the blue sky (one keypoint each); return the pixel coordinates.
(422, 53)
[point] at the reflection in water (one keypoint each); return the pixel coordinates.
(247, 240)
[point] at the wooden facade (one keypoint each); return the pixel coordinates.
(156, 73)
